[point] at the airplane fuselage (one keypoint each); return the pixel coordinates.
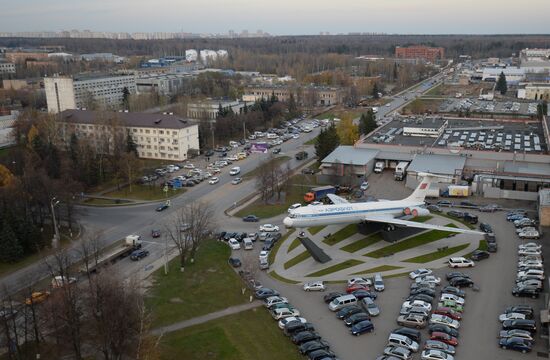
(349, 213)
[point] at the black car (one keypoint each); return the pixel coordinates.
(468, 203)
(235, 262)
(321, 355)
(453, 290)
(295, 327)
(486, 228)
(265, 293)
(492, 247)
(138, 254)
(274, 236)
(313, 346)
(516, 343)
(461, 282)
(422, 297)
(454, 274)
(348, 311)
(412, 334)
(444, 203)
(251, 218)
(189, 183)
(455, 214)
(434, 208)
(308, 171)
(155, 233)
(425, 291)
(268, 244)
(276, 150)
(361, 294)
(162, 207)
(521, 309)
(331, 296)
(526, 291)
(470, 218)
(478, 255)
(521, 324)
(361, 327)
(355, 318)
(305, 336)
(442, 328)
(208, 153)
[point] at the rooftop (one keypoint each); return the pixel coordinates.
(349, 155)
(437, 164)
(526, 168)
(129, 119)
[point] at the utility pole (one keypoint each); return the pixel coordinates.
(56, 237)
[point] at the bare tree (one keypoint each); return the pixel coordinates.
(189, 227)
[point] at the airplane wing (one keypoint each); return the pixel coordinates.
(391, 220)
(337, 199)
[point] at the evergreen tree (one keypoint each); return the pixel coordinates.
(73, 149)
(326, 142)
(131, 146)
(273, 99)
(10, 248)
(126, 97)
(502, 86)
(52, 161)
(367, 122)
(395, 72)
(292, 107)
(375, 91)
(542, 109)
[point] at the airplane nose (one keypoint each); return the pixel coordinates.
(288, 222)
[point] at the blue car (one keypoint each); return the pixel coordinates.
(514, 217)
(362, 327)
(515, 343)
(162, 207)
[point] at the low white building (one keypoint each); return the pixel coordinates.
(513, 75)
(158, 136)
(6, 129)
(208, 109)
(191, 55)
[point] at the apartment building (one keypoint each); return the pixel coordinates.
(158, 136)
(106, 91)
(420, 52)
(7, 68)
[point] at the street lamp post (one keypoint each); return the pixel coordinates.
(56, 238)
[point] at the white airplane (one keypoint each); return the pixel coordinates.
(385, 211)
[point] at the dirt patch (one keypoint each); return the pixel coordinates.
(175, 300)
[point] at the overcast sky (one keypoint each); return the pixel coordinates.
(279, 17)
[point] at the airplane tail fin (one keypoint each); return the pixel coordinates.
(419, 194)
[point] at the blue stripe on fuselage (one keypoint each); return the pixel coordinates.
(351, 212)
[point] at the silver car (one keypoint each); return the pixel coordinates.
(370, 306)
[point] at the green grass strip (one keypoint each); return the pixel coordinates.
(295, 243)
(275, 249)
(276, 276)
(422, 259)
(315, 229)
(418, 240)
(297, 259)
(334, 268)
(363, 243)
(422, 219)
(482, 246)
(341, 235)
(380, 268)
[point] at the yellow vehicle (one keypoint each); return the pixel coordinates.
(241, 155)
(37, 297)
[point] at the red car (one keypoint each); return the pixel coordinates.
(355, 287)
(447, 339)
(448, 312)
(155, 233)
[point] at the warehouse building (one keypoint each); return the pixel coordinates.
(209, 109)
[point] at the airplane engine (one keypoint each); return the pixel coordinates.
(416, 211)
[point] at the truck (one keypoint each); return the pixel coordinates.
(456, 191)
(317, 193)
(301, 155)
(379, 167)
(128, 245)
(401, 170)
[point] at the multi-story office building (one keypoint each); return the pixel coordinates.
(420, 52)
(164, 84)
(158, 136)
(7, 68)
(106, 91)
(308, 95)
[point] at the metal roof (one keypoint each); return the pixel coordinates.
(350, 155)
(521, 167)
(388, 155)
(437, 164)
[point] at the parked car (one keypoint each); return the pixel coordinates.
(456, 262)
(478, 255)
(291, 319)
(362, 327)
(526, 291)
(529, 325)
(265, 293)
(398, 352)
(518, 344)
(455, 214)
(313, 345)
(443, 337)
(348, 311)
(434, 354)
(269, 228)
(370, 306)
(305, 336)
(428, 278)
(412, 334)
(234, 262)
(442, 328)
(419, 272)
(251, 218)
(444, 320)
(425, 291)
(234, 244)
(486, 228)
(236, 181)
(314, 286)
(359, 280)
(455, 315)
(454, 290)
(155, 233)
(529, 234)
(331, 296)
(412, 320)
(526, 310)
(439, 345)
(523, 334)
(355, 318)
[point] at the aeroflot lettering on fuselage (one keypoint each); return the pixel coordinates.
(337, 209)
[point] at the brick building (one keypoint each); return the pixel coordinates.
(431, 54)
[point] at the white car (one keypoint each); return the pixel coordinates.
(188, 166)
(269, 228)
(364, 185)
(214, 180)
(428, 278)
(419, 272)
(233, 158)
(279, 314)
(433, 354)
(264, 255)
(359, 281)
(285, 321)
(235, 171)
(530, 245)
(314, 286)
(453, 297)
(534, 263)
(529, 234)
(274, 300)
(417, 303)
(444, 320)
(530, 272)
(522, 252)
(511, 316)
(294, 207)
(528, 228)
(459, 262)
(234, 244)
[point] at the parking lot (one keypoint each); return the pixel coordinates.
(475, 105)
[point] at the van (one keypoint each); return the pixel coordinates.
(341, 302)
(402, 341)
(248, 244)
(272, 136)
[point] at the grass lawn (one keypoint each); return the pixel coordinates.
(297, 259)
(341, 234)
(422, 259)
(315, 229)
(482, 246)
(265, 211)
(276, 276)
(278, 161)
(144, 192)
(418, 240)
(470, 226)
(422, 219)
(175, 296)
(334, 268)
(242, 336)
(311, 141)
(275, 249)
(363, 243)
(435, 90)
(377, 269)
(101, 202)
(295, 243)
